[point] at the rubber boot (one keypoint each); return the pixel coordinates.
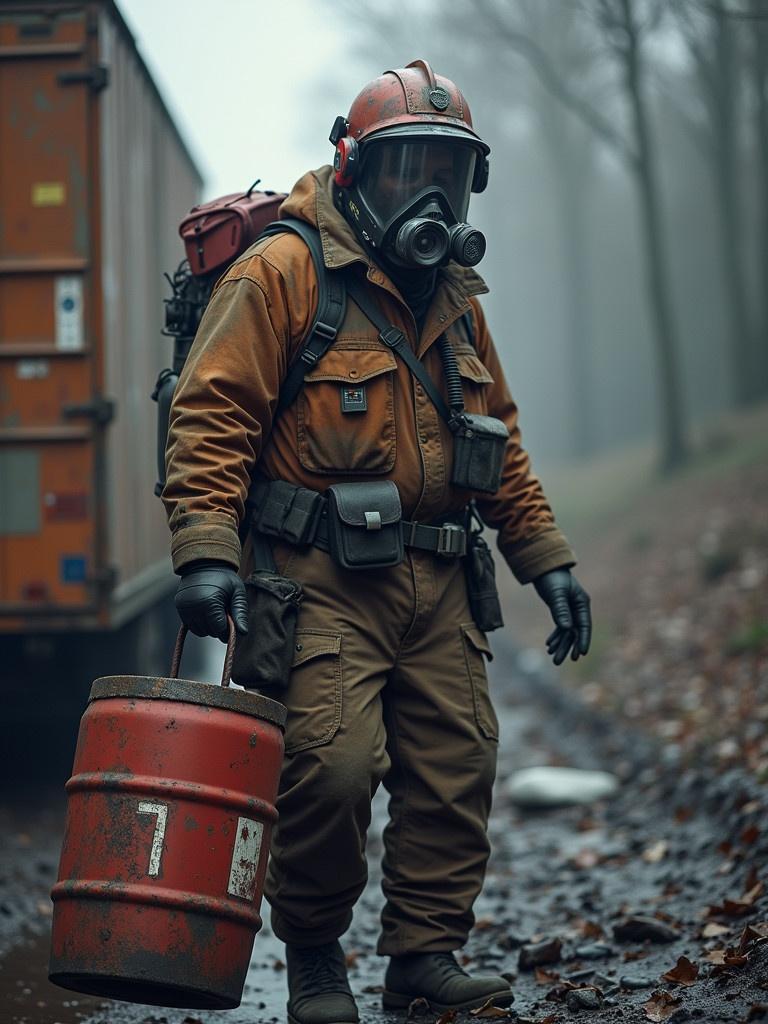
(437, 978)
(318, 988)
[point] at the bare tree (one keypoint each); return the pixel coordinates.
(712, 40)
(623, 30)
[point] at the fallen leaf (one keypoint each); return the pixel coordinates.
(446, 1018)
(591, 930)
(661, 1005)
(372, 989)
(750, 835)
(656, 853)
(715, 956)
(712, 929)
(757, 1011)
(545, 977)
(489, 1010)
(351, 958)
(482, 924)
(683, 814)
(278, 965)
(683, 973)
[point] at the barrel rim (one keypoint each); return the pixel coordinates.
(190, 691)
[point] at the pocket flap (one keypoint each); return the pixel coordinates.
(471, 367)
(312, 643)
(352, 366)
(355, 501)
(478, 640)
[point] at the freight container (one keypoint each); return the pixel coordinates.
(94, 180)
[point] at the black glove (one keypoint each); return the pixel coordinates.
(568, 602)
(207, 593)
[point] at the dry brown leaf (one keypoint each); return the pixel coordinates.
(715, 956)
(482, 924)
(351, 958)
(656, 852)
(750, 835)
(683, 973)
(278, 965)
(712, 929)
(661, 1005)
(544, 977)
(446, 1018)
(489, 1010)
(592, 930)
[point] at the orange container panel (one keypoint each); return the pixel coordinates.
(94, 179)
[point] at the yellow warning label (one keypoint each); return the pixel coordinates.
(48, 193)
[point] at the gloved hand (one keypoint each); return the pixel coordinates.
(208, 591)
(569, 604)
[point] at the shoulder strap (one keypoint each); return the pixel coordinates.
(331, 306)
(394, 339)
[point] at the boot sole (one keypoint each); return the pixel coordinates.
(398, 1001)
(295, 1020)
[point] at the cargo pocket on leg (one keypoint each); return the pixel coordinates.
(476, 650)
(314, 696)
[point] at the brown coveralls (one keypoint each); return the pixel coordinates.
(388, 681)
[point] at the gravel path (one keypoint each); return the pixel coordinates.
(564, 886)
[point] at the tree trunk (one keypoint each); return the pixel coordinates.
(760, 71)
(674, 449)
(727, 199)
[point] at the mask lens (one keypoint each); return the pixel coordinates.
(395, 170)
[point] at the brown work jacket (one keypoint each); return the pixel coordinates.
(223, 423)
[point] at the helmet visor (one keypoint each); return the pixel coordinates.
(394, 170)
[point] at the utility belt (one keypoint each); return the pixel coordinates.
(359, 524)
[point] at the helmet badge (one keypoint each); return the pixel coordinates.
(439, 98)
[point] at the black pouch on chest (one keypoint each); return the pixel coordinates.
(479, 444)
(364, 524)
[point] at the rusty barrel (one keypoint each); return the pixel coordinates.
(169, 813)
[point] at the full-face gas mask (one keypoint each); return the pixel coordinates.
(409, 194)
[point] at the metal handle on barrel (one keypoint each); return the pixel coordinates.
(229, 657)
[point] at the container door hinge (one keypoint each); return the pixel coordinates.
(97, 77)
(100, 410)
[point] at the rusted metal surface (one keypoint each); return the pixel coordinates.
(170, 810)
(190, 691)
(94, 179)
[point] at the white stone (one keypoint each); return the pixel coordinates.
(556, 787)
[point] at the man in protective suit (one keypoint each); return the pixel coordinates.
(388, 680)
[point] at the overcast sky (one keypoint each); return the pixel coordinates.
(254, 86)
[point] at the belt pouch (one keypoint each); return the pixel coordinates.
(364, 529)
(481, 585)
(479, 444)
(264, 654)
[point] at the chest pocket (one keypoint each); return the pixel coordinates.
(359, 440)
(475, 379)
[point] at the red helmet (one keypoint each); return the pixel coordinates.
(402, 102)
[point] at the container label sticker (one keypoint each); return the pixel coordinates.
(245, 859)
(73, 569)
(32, 369)
(49, 193)
(68, 299)
(161, 810)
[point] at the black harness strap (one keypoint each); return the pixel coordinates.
(331, 306)
(395, 340)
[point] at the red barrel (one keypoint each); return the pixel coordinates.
(170, 809)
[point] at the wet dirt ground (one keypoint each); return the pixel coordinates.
(686, 849)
